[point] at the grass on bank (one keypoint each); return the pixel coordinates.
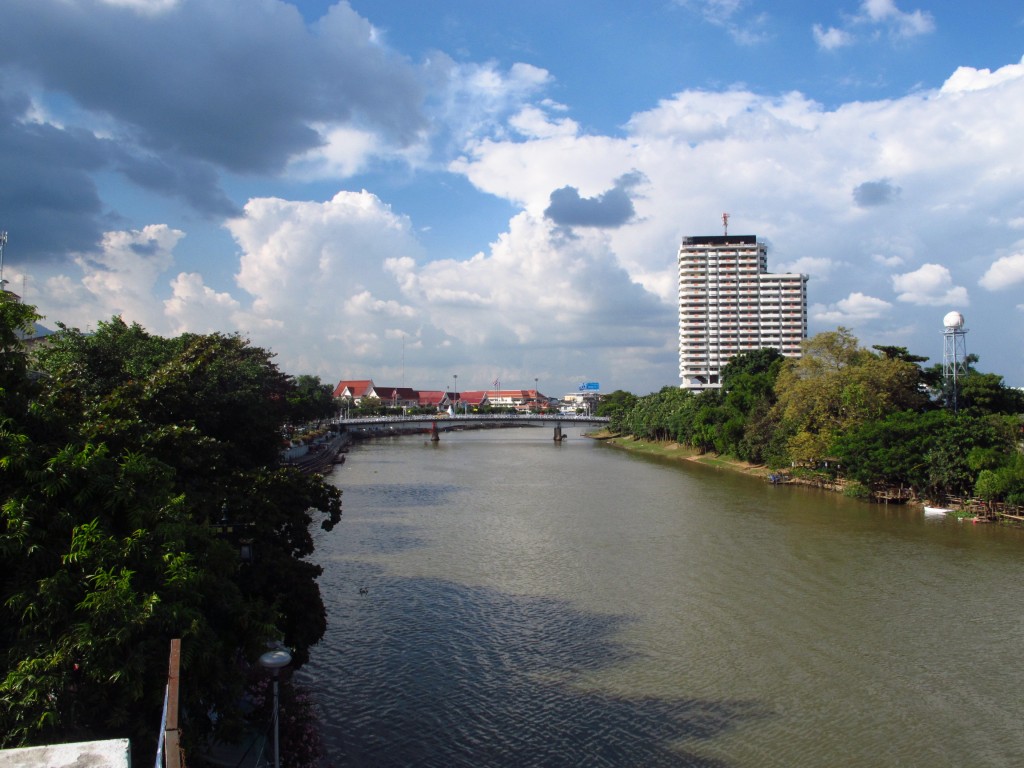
(678, 452)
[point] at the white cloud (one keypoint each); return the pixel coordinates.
(931, 285)
(533, 123)
(119, 279)
(832, 38)
(905, 24)
(474, 101)
(146, 7)
(744, 29)
(875, 15)
(887, 261)
(815, 266)
(344, 153)
(853, 310)
(197, 308)
(1004, 272)
(338, 287)
(966, 79)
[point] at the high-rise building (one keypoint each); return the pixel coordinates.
(730, 303)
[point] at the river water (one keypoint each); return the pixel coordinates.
(501, 600)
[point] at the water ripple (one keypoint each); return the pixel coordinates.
(439, 674)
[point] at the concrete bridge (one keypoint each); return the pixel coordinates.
(442, 422)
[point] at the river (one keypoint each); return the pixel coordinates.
(501, 600)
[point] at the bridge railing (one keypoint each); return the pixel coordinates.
(477, 417)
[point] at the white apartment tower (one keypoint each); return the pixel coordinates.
(729, 303)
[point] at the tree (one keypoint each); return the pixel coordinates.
(836, 386)
(311, 400)
(615, 406)
(891, 451)
(126, 454)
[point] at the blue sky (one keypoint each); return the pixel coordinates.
(413, 190)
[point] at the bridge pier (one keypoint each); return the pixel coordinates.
(434, 436)
(559, 437)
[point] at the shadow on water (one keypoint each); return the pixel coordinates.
(424, 672)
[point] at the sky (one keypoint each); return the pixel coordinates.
(451, 193)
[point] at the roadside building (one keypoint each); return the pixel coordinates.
(397, 397)
(354, 390)
(729, 303)
(518, 399)
(436, 399)
(580, 402)
(467, 402)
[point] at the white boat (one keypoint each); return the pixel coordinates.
(936, 511)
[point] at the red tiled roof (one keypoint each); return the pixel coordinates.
(356, 387)
(432, 397)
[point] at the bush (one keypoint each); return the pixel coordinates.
(855, 490)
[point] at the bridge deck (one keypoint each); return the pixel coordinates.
(444, 420)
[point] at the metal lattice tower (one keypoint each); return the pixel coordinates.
(954, 352)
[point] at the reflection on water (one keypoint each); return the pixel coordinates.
(498, 600)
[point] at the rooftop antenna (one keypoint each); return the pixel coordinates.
(725, 223)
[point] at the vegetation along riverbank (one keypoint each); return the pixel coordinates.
(144, 500)
(874, 424)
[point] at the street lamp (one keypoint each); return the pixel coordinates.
(455, 394)
(275, 661)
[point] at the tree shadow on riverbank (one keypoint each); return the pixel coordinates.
(423, 672)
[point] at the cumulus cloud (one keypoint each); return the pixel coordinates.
(874, 16)
(930, 285)
(966, 79)
(850, 311)
(1004, 272)
(334, 70)
(340, 287)
(339, 284)
(612, 208)
(534, 123)
(158, 104)
(119, 279)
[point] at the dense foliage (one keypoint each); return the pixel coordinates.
(874, 416)
(121, 453)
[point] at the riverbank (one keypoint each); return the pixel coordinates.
(677, 452)
(969, 509)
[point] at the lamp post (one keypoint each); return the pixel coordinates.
(455, 394)
(275, 661)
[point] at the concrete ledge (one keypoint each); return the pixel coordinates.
(84, 754)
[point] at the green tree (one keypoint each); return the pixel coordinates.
(615, 405)
(311, 401)
(836, 386)
(891, 451)
(126, 454)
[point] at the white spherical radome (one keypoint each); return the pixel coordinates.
(953, 320)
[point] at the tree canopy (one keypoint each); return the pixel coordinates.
(122, 453)
(888, 421)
